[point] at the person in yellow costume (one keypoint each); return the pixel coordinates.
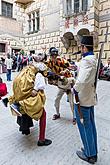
(28, 91)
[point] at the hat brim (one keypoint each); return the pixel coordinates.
(86, 45)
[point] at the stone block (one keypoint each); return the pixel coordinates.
(47, 35)
(34, 38)
(109, 23)
(41, 41)
(36, 42)
(48, 46)
(92, 10)
(43, 36)
(46, 40)
(106, 5)
(55, 39)
(102, 24)
(28, 43)
(109, 38)
(39, 37)
(109, 30)
(57, 33)
(107, 46)
(50, 40)
(26, 39)
(100, 7)
(91, 22)
(30, 38)
(102, 1)
(52, 34)
(102, 38)
(32, 42)
(57, 44)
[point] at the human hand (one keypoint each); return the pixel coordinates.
(34, 92)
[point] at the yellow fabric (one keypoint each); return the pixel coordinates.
(23, 84)
(22, 88)
(33, 106)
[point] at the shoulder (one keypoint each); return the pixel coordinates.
(88, 61)
(39, 75)
(90, 58)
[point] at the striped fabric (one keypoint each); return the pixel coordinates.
(58, 66)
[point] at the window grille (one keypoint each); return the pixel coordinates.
(69, 6)
(84, 5)
(76, 6)
(33, 22)
(7, 9)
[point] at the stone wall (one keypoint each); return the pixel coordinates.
(54, 24)
(11, 29)
(49, 34)
(104, 27)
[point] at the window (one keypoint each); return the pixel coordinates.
(69, 6)
(37, 21)
(29, 22)
(33, 22)
(7, 9)
(84, 5)
(2, 47)
(76, 6)
(32, 51)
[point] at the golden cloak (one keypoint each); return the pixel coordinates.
(23, 85)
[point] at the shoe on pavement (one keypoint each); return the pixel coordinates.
(74, 121)
(26, 132)
(46, 142)
(5, 102)
(82, 156)
(15, 108)
(82, 149)
(55, 117)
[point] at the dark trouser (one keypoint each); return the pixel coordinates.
(42, 125)
(8, 74)
(87, 130)
(25, 122)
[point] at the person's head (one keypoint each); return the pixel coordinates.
(86, 44)
(53, 52)
(19, 53)
(42, 68)
(40, 57)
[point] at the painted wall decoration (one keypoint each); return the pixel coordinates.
(85, 19)
(67, 23)
(75, 22)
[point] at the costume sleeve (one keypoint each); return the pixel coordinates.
(39, 82)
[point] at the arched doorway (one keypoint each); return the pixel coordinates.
(68, 40)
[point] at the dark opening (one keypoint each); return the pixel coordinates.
(32, 51)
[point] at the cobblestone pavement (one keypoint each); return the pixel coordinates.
(18, 149)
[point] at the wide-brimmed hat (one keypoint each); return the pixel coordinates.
(87, 41)
(53, 51)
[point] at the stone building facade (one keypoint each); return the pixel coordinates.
(37, 25)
